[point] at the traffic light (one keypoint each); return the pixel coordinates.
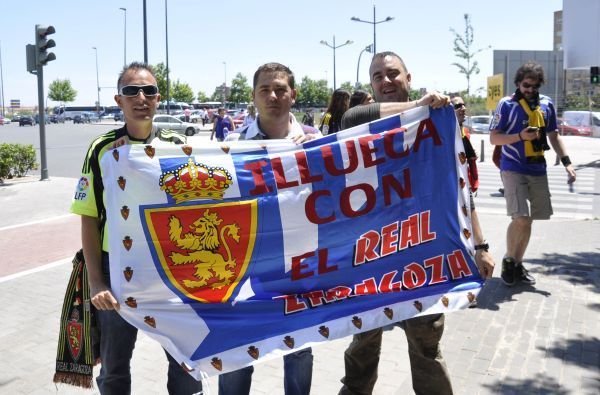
(30, 52)
(594, 75)
(42, 44)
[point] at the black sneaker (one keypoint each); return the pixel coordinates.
(508, 271)
(522, 275)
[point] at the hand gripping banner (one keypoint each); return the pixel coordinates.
(232, 253)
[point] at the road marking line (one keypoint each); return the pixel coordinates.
(24, 273)
(37, 222)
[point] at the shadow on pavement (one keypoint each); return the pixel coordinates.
(582, 351)
(580, 268)
(540, 384)
(495, 292)
(595, 164)
(595, 306)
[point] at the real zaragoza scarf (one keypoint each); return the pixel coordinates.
(534, 150)
(77, 343)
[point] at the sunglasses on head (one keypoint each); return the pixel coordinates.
(527, 86)
(459, 105)
(134, 90)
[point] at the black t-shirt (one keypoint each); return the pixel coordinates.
(361, 114)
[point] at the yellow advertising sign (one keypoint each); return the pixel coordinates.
(495, 91)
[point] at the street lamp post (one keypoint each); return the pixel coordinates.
(369, 49)
(334, 47)
(97, 82)
(124, 36)
(224, 91)
(167, 49)
(2, 83)
(374, 22)
(145, 35)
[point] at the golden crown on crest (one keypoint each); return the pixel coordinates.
(193, 181)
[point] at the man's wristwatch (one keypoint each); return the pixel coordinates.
(483, 246)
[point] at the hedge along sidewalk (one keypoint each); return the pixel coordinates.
(16, 160)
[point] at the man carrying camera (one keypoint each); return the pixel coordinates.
(523, 123)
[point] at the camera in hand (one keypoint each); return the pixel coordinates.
(541, 143)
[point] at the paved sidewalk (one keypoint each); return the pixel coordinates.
(522, 340)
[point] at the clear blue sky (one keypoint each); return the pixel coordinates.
(245, 34)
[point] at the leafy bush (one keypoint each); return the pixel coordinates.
(16, 160)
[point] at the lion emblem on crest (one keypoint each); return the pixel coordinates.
(201, 245)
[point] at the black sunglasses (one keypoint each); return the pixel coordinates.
(527, 86)
(459, 105)
(134, 90)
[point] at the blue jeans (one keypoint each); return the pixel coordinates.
(297, 376)
(117, 341)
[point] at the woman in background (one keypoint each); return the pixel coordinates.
(360, 97)
(338, 105)
(250, 116)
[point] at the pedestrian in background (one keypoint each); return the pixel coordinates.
(390, 81)
(204, 116)
(274, 94)
(460, 109)
(308, 118)
(138, 97)
(338, 105)
(522, 125)
(222, 125)
(360, 97)
(186, 114)
(250, 117)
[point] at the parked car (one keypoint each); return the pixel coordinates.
(92, 116)
(170, 122)
(119, 116)
(26, 120)
(567, 129)
(36, 117)
(80, 118)
(16, 118)
(194, 117)
(238, 119)
(1, 120)
(590, 119)
(478, 123)
(56, 119)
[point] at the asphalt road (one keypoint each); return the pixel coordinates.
(66, 143)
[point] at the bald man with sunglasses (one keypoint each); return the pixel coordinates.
(138, 97)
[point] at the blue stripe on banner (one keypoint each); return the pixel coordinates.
(401, 243)
(385, 124)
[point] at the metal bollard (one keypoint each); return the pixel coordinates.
(482, 156)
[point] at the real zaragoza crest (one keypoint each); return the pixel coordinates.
(74, 334)
(203, 249)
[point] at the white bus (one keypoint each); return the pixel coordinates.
(68, 112)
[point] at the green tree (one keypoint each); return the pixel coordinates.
(349, 86)
(240, 91)
(415, 94)
(312, 93)
(61, 91)
(365, 87)
(220, 93)
(463, 49)
(202, 97)
(160, 73)
(182, 92)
